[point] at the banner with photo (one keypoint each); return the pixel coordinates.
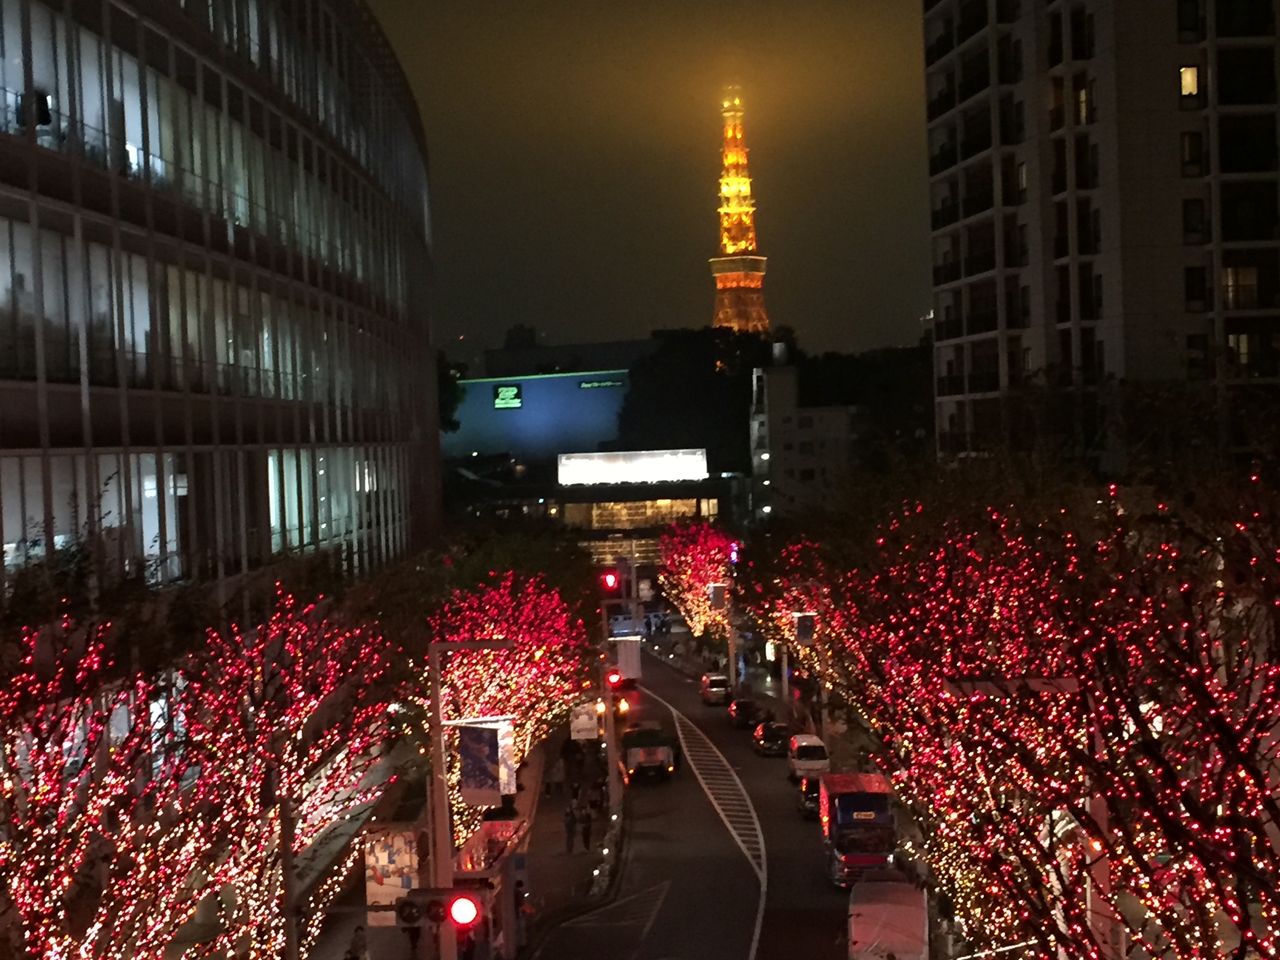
(479, 765)
(487, 760)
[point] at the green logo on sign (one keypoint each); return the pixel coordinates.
(506, 396)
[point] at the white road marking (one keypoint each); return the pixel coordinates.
(638, 909)
(730, 800)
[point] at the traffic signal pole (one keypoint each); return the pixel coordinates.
(610, 724)
(438, 795)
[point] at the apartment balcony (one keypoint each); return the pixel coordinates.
(975, 82)
(975, 143)
(1062, 311)
(944, 159)
(952, 328)
(1057, 117)
(1058, 181)
(973, 18)
(1061, 246)
(945, 215)
(945, 100)
(1008, 69)
(1015, 254)
(1008, 11)
(946, 273)
(1241, 297)
(1013, 129)
(939, 48)
(1245, 20)
(984, 381)
(982, 319)
(979, 202)
(980, 262)
(950, 385)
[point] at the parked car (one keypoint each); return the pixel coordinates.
(744, 713)
(807, 798)
(770, 739)
(714, 689)
(807, 756)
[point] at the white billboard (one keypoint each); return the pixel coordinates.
(633, 466)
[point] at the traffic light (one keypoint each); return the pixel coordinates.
(460, 907)
(613, 677)
(610, 581)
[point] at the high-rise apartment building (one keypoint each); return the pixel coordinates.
(213, 340)
(1104, 179)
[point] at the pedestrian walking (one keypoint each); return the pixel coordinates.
(555, 777)
(586, 820)
(356, 949)
(570, 826)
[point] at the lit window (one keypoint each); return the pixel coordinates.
(1190, 81)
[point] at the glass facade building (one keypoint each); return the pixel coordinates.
(214, 252)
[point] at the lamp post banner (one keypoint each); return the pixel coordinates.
(478, 761)
(584, 723)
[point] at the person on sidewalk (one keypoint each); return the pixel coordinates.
(356, 950)
(586, 819)
(570, 826)
(555, 777)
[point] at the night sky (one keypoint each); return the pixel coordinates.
(575, 162)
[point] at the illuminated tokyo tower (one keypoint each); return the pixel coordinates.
(739, 270)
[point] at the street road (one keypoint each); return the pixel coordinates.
(695, 867)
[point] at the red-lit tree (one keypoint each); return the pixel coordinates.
(696, 557)
(1081, 705)
(298, 712)
(109, 815)
(536, 682)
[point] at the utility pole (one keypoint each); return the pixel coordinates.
(438, 798)
(610, 724)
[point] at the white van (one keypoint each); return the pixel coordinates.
(714, 689)
(807, 756)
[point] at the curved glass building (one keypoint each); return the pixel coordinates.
(214, 249)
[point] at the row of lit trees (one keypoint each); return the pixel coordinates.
(1079, 706)
(137, 811)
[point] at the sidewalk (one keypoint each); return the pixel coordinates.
(559, 883)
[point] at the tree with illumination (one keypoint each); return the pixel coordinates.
(108, 811)
(298, 710)
(536, 682)
(1079, 707)
(695, 557)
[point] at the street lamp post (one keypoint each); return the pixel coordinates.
(438, 806)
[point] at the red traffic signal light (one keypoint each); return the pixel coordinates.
(614, 677)
(464, 910)
(610, 580)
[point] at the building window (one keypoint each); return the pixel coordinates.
(1193, 154)
(804, 422)
(1240, 288)
(1195, 287)
(1190, 77)
(1193, 221)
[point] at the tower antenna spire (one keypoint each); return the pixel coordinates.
(739, 269)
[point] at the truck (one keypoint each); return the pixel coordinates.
(646, 750)
(857, 824)
(628, 651)
(888, 917)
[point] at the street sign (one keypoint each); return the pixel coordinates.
(583, 724)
